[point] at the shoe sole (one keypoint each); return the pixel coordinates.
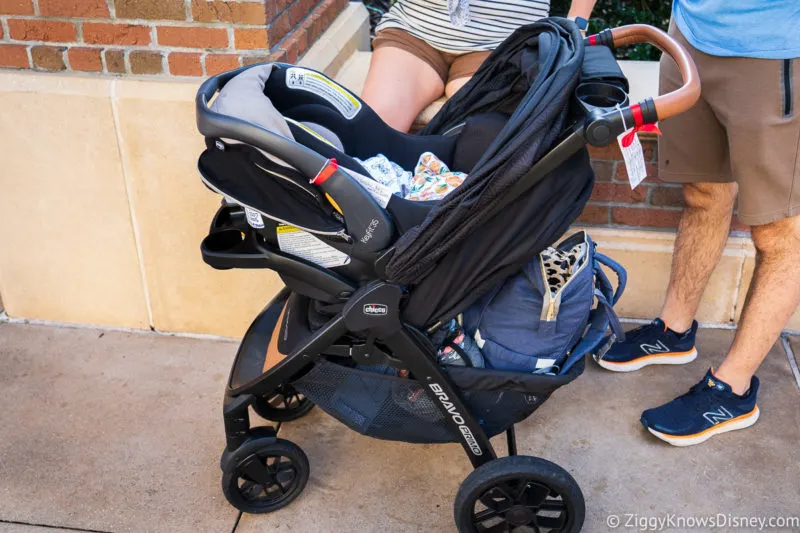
(671, 358)
(740, 422)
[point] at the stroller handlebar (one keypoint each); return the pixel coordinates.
(680, 100)
(602, 128)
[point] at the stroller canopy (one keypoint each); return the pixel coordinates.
(462, 248)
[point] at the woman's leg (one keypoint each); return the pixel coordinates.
(462, 69)
(400, 84)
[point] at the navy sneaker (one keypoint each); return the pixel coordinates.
(651, 344)
(708, 409)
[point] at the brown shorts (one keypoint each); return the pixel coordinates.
(745, 128)
(448, 66)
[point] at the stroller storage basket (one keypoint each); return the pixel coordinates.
(395, 408)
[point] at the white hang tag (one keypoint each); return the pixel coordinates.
(634, 159)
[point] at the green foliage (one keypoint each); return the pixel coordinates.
(613, 13)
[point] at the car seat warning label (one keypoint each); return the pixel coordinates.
(254, 218)
(314, 82)
(304, 245)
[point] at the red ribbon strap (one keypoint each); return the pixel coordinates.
(628, 138)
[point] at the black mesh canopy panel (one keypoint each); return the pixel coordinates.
(462, 248)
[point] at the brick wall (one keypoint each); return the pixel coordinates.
(654, 204)
(158, 37)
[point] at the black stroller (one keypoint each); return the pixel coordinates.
(389, 270)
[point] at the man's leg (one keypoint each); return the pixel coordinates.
(773, 296)
(702, 234)
(693, 151)
(725, 399)
(764, 139)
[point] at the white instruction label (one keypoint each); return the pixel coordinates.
(254, 218)
(380, 192)
(314, 82)
(633, 156)
(306, 246)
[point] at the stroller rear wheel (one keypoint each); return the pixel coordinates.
(264, 475)
(519, 494)
(282, 405)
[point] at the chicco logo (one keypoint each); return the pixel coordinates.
(375, 310)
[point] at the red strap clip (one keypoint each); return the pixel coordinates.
(326, 172)
(628, 138)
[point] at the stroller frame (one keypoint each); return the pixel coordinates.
(419, 355)
(256, 455)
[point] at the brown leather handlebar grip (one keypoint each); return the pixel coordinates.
(681, 99)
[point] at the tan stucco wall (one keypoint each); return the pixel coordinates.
(101, 208)
(102, 214)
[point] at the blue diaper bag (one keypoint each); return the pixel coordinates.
(524, 324)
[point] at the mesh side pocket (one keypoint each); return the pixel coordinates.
(392, 408)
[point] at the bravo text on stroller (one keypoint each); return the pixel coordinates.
(457, 418)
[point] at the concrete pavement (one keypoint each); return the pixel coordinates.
(121, 432)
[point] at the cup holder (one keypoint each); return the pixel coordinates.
(226, 240)
(229, 216)
(600, 95)
(231, 248)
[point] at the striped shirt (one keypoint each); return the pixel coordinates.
(490, 22)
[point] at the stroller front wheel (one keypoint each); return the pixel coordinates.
(523, 492)
(264, 475)
(283, 405)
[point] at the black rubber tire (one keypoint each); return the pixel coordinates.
(257, 432)
(513, 469)
(236, 486)
(265, 407)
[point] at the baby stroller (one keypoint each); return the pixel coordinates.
(388, 271)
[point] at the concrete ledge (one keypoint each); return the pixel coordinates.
(642, 77)
(103, 208)
(348, 33)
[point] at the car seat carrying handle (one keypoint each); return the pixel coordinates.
(604, 126)
(367, 222)
(219, 126)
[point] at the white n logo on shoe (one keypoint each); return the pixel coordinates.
(720, 415)
(649, 349)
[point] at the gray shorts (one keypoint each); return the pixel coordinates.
(745, 128)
